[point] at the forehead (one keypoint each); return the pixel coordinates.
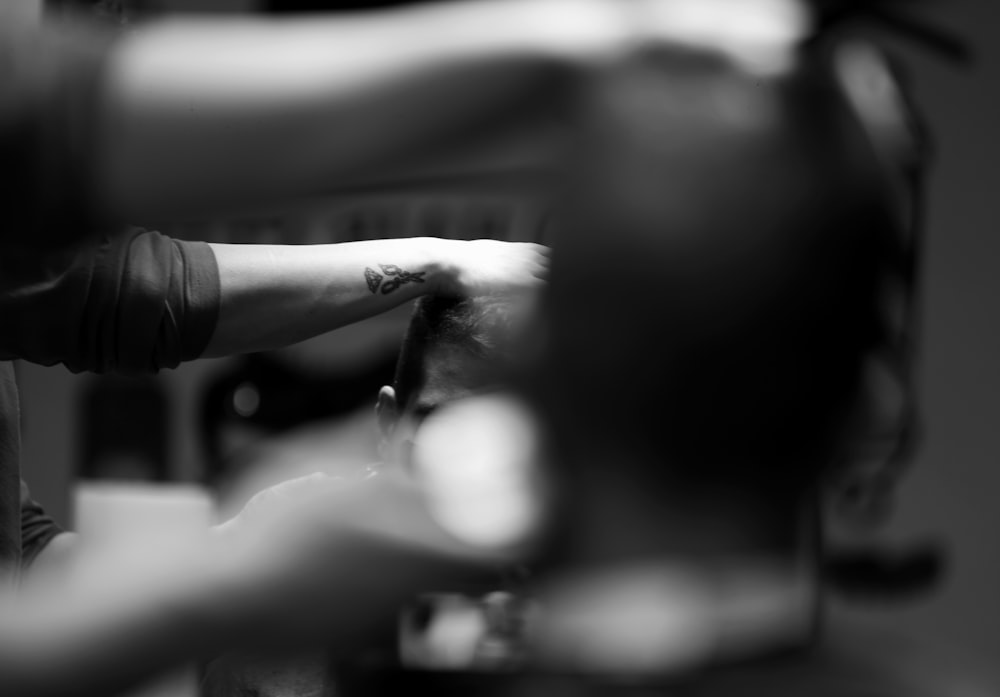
(451, 373)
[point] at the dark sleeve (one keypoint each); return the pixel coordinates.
(37, 529)
(50, 95)
(133, 304)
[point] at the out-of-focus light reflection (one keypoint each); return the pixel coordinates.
(246, 399)
(663, 618)
(443, 631)
(477, 461)
(626, 624)
(140, 529)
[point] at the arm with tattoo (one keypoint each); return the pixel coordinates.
(397, 278)
(274, 295)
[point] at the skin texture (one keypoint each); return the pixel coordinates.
(273, 296)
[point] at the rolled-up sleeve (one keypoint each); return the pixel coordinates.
(134, 304)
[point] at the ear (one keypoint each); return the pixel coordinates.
(862, 501)
(871, 87)
(386, 411)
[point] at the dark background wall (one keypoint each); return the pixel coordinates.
(953, 491)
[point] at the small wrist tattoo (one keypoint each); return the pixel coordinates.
(396, 278)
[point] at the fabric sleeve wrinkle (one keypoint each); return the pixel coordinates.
(132, 305)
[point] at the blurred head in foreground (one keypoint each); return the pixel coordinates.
(713, 304)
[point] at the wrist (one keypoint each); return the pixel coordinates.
(440, 265)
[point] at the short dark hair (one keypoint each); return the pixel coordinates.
(477, 325)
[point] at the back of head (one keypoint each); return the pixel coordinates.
(715, 283)
(478, 327)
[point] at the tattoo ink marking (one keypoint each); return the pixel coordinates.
(374, 278)
(400, 277)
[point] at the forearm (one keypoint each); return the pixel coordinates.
(114, 637)
(230, 110)
(273, 296)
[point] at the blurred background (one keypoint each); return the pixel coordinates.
(208, 419)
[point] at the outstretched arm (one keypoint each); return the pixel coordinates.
(143, 302)
(210, 111)
(275, 295)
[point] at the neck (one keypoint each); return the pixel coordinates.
(653, 582)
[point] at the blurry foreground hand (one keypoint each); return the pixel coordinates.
(315, 561)
(321, 558)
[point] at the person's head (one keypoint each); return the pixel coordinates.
(453, 348)
(715, 297)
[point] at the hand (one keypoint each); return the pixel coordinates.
(595, 31)
(490, 267)
(336, 561)
(270, 501)
(758, 35)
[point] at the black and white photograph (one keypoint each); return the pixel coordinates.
(499, 348)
